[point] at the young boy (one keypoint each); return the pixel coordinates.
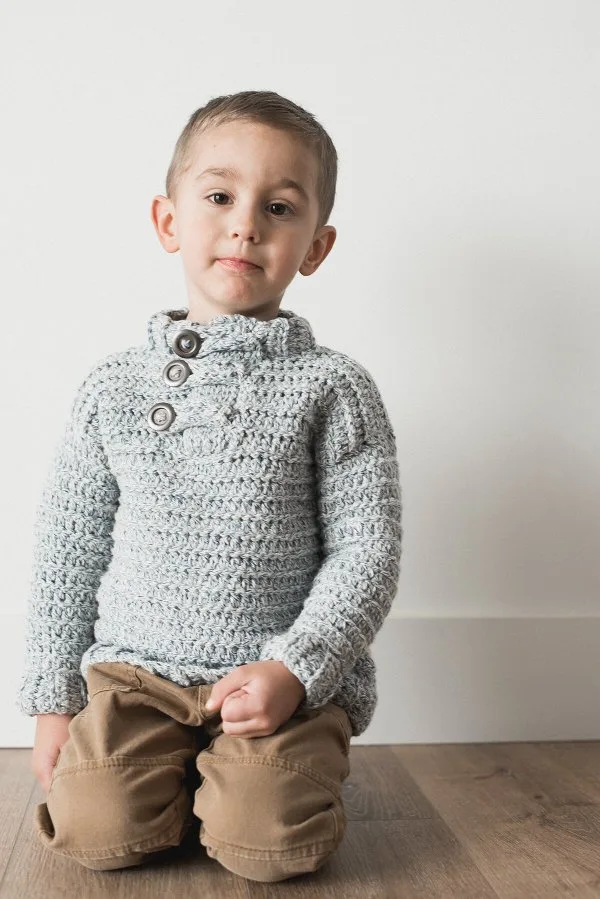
(218, 541)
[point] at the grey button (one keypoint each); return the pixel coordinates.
(187, 343)
(175, 373)
(161, 416)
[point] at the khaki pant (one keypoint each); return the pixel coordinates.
(270, 807)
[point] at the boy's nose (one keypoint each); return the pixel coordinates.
(244, 228)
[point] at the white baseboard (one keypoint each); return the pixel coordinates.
(450, 680)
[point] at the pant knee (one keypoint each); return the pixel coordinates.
(268, 870)
(110, 813)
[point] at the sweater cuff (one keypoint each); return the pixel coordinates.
(60, 692)
(313, 663)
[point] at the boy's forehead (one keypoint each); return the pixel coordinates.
(253, 150)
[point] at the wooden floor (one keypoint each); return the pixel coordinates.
(453, 820)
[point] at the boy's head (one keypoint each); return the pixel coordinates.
(255, 141)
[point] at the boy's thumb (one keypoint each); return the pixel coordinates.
(212, 702)
(229, 683)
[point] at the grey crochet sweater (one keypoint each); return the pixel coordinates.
(218, 497)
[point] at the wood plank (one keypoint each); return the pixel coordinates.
(580, 757)
(396, 844)
(379, 788)
(16, 786)
(518, 816)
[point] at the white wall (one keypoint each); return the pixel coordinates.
(465, 277)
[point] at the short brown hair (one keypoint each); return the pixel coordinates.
(267, 108)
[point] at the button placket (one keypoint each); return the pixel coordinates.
(186, 344)
(200, 411)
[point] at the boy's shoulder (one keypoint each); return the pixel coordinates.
(344, 371)
(108, 369)
(356, 403)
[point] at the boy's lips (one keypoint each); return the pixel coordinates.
(237, 264)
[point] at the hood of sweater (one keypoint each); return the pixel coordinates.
(287, 334)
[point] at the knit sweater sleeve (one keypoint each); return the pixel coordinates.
(359, 512)
(72, 544)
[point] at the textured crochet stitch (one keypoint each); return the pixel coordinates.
(263, 523)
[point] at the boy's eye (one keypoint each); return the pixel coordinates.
(285, 206)
(221, 194)
(217, 194)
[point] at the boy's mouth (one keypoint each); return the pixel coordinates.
(238, 264)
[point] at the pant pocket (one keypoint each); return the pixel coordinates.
(103, 676)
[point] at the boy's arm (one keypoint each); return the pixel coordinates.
(72, 547)
(360, 514)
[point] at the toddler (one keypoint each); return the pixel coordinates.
(218, 538)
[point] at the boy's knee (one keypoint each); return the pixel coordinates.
(110, 815)
(268, 870)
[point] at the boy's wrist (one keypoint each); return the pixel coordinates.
(301, 687)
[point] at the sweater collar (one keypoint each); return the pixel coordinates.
(285, 335)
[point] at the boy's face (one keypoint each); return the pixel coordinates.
(246, 213)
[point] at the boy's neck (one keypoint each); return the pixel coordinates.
(202, 314)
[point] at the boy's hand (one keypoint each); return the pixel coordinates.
(51, 732)
(256, 698)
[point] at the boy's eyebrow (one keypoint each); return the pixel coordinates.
(231, 173)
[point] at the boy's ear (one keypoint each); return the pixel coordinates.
(162, 215)
(321, 245)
